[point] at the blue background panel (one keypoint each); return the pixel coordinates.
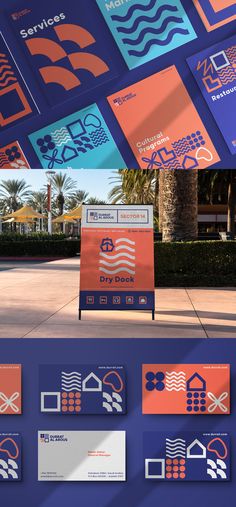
(136, 492)
(124, 79)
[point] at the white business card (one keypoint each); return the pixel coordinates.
(81, 455)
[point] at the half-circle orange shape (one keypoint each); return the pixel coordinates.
(89, 62)
(75, 34)
(46, 47)
(60, 76)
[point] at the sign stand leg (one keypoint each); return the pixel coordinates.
(153, 314)
(80, 314)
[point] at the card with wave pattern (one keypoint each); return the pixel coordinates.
(214, 69)
(146, 29)
(193, 389)
(79, 141)
(187, 456)
(82, 389)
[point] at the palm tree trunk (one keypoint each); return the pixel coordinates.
(231, 203)
(179, 205)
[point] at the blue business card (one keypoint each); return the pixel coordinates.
(82, 389)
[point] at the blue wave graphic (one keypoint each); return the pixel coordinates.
(159, 42)
(131, 10)
(156, 31)
(146, 19)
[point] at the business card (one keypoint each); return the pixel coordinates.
(187, 456)
(10, 457)
(82, 456)
(10, 389)
(194, 389)
(82, 389)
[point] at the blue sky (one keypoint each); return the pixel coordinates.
(97, 183)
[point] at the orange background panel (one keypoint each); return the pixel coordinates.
(175, 402)
(144, 262)
(10, 382)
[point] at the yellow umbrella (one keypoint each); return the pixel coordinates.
(76, 213)
(62, 219)
(25, 213)
(21, 220)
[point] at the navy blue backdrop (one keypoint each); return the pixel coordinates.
(135, 492)
(126, 78)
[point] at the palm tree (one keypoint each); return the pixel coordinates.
(95, 200)
(38, 201)
(220, 187)
(140, 187)
(76, 199)
(179, 204)
(62, 186)
(12, 194)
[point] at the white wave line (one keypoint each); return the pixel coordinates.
(127, 270)
(72, 373)
(175, 389)
(117, 263)
(175, 446)
(176, 384)
(60, 131)
(117, 256)
(126, 240)
(71, 389)
(175, 373)
(71, 377)
(74, 382)
(124, 247)
(175, 440)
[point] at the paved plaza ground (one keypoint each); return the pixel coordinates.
(40, 300)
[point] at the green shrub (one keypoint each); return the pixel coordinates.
(33, 247)
(33, 236)
(198, 264)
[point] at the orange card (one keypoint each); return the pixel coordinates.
(10, 389)
(195, 389)
(162, 125)
(216, 13)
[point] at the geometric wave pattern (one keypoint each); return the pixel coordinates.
(227, 75)
(99, 137)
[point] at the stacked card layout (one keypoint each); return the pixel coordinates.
(16, 101)
(216, 13)
(79, 141)
(10, 389)
(82, 389)
(148, 29)
(10, 457)
(186, 456)
(162, 125)
(195, 389)
(215, 72)
(65, 47)
(82, 456)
